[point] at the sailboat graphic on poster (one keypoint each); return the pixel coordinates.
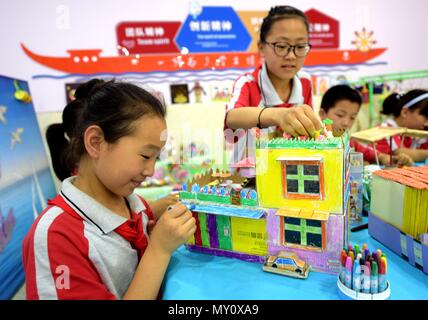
(8, 222)
(6, 225)
(26, 181)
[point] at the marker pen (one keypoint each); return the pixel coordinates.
(366, 254)
(348, 272)
(379, 253)
(366, 277)
(356, 277)
(382, 275)
(357, 249)
(343, 257)
(374, 278)
(351, 254)
(374, 256)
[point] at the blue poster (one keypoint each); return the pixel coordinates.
(213, 29)
(25, 179)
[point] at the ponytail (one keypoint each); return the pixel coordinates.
(391, 105)
(57, 143)
(59, 136)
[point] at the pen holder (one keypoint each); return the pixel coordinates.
(349, 294)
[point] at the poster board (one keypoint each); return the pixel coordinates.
(25, 179)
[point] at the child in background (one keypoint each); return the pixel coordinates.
(266, 96)
(410, 111)
(92, 241)
(341, 103)
(58, 136)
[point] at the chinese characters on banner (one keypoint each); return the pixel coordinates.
(147, 37)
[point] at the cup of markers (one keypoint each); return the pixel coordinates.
(363, 274)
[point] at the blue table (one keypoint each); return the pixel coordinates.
(199, 276)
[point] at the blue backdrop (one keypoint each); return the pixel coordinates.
(25, 181)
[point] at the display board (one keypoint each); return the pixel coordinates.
(25, 179)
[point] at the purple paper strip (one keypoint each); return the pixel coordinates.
(228, 254)
(324, 261)
(425, 258)
(390, 237)
(385, 233)
(212, 230)
(410, 250)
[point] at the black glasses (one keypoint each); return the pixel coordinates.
(282, 49)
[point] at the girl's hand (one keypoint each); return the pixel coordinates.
(298, 121)
(401, 159)
(173, 229)
(159, 206)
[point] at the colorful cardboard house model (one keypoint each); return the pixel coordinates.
(298, 203)
(398, 214)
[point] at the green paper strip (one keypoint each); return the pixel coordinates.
(204, 230)
(304, 230)
(224, 231)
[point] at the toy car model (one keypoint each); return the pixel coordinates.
(287, 263)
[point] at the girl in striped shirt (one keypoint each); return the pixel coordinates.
(410, 111)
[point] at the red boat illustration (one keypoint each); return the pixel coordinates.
(90, 61)
(341, 57)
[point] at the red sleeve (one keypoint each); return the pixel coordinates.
(424, 146)
(241, 96)
(57, 264)
(307, 91)
(310, 100)
(369, 153)
(383, 146)
(149, 210)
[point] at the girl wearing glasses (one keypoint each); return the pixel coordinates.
(264, 97)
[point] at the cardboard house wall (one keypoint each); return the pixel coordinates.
(398, 213)
(321, 215)
(319, 220)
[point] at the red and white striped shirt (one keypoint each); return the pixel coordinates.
(79, 249)
(369, 153)
(256, 90)
(384, 145)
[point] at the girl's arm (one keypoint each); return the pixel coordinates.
(418, 155)
(297, 121)
(149, 275)
(173, 229)
(247, 117)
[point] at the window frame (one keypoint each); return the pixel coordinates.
(301, 246)
(302, 162)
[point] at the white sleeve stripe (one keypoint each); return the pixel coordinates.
(236, 93)
(46, 289)
(304, 75)
(394, 145)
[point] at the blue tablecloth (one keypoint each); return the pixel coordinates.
(200, 276)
